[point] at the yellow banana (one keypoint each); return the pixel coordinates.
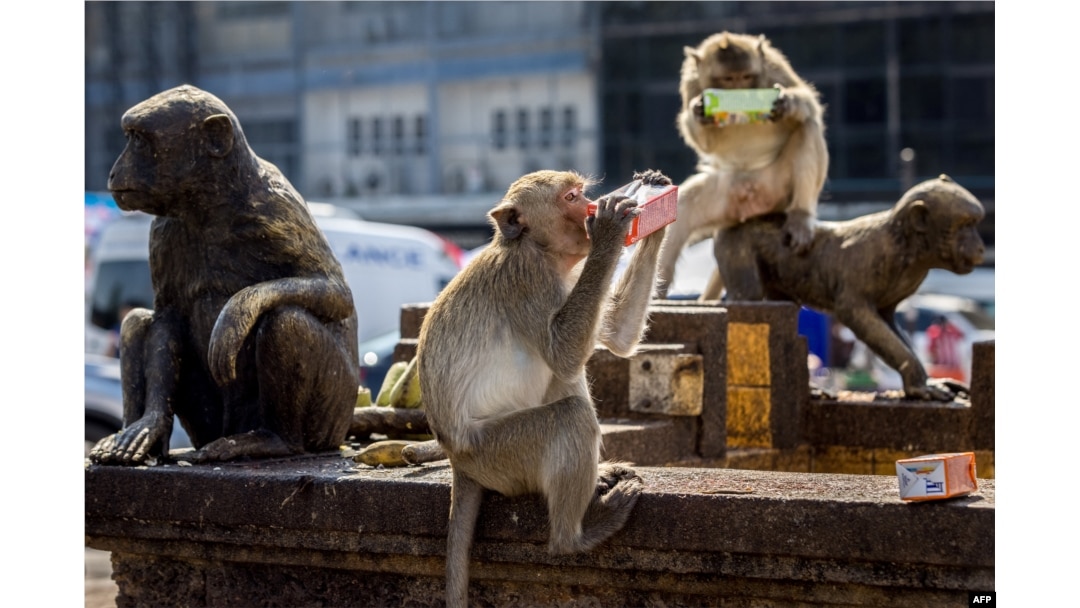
(392, 376)
(409, 386)
(386, 453)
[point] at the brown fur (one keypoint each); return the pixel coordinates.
(252, 340)
(746, 170)
(861, 269)
(502, 356)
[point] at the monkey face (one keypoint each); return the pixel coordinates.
(964, 249)
(173, 140)
(736, 80)
(548, 207)
(952, 216)
(730, 62)
(573, 208)
(574, 204)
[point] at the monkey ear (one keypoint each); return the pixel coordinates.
(508, 221)
(219, 135)
(915, 215)
(692, 53)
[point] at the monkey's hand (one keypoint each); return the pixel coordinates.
(796, 104)
(607, 228)
(799, 230)
(134, 444)
(697, 110)
(652, 177)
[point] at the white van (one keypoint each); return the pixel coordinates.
(385, 265)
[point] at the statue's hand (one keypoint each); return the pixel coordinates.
(136, 443)
(937, 389)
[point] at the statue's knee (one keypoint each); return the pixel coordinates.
(135, 323)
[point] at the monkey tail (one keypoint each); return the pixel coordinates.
(617, 492)
(465, 495)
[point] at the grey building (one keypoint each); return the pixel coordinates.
(423, 112)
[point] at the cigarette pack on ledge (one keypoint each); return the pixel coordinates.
(739, 106)
(937, 476)
(658, 207)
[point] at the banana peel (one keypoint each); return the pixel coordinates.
(386, 453)
(401, 388)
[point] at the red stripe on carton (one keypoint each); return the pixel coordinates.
(658, 205)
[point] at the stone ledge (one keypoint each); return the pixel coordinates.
(317, 529)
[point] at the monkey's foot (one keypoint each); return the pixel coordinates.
(617, 490)
(611, 473)
(799, 230)
(427, 451)
(254, 444)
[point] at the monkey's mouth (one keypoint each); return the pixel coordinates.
(119, 196)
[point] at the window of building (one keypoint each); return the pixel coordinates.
(972, 100)
(865, 157)
(253, 8)
(498, 129)
(355, 141)
(569, 126)
(973, 38)
(977, 158)
(547, 127)
(806, 47)
(522, 128)
(398, 135)
(420, 133)
(864, 44)
(377, 135)
(864, 101)
(920, 42)
(922, 98)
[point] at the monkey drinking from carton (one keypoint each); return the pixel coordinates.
(860, 270)
(502, 356)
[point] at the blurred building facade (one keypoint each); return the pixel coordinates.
(395, 101)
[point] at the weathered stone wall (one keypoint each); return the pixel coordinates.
(321, 531)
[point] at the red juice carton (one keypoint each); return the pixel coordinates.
(657, 204)
(937, 476)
